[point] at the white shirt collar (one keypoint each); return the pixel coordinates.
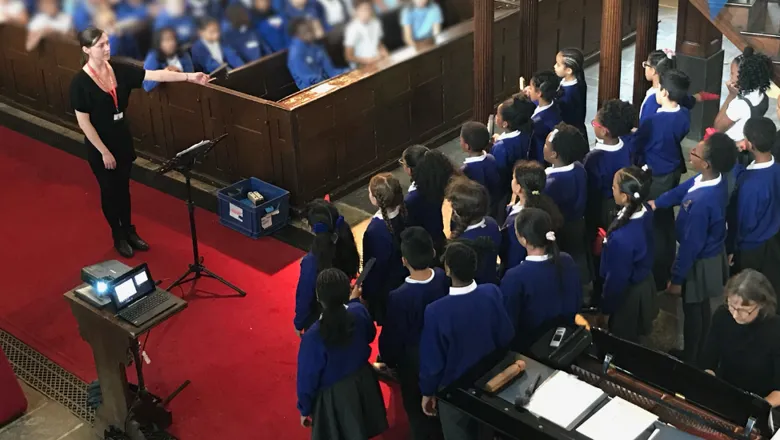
(463, 290)
(635, 215)
(215, 50)
(610, 148)
(537, 257)
(563, 169)
(760, 166)
(412, 281)
(390, 214)
(651, 91)
(509, 135)
(697, 183)
(540, 109)
(669, 110)
(412, 187)
(566, 83)
(516, 208)
(482, 223)
(476, 158)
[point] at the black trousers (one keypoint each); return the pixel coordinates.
(663, 229)
(695, 330)
(422, 426)
(114, 194)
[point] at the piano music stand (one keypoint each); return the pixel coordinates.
(184, 162)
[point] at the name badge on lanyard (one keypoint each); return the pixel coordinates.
(119, 116)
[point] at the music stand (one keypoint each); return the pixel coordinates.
(183, 162)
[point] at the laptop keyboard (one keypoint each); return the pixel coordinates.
(143, 306)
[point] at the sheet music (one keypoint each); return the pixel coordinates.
(617, 419)
(194, 147)
(564, 400)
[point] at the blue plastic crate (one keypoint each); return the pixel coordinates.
(242, 215)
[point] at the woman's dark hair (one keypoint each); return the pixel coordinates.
(534, 225)
(635, 183)
(569, 143)
(387, 191)
(618, 117)
(333, 245)
(661, 62)
(462, 261)
(532, 179)
(88, 38)
(431, 171)
(755, 71)
(157, 42)
(574, 59)
(548, 84)
(517, 112)
(470, 203)
(336, 323)
(752, 286)
(720, 152)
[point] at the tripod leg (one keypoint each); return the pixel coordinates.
(181, 280)
(211, 274)
(175, 393)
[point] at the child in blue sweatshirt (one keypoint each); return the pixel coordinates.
(567, 186)
(270, 26)
(471, 224)
(238, 33)
(333, 246)
(659, 62)
(569, 66)
(545, 290)
(308, 62)
(174, 15)
(399, 342)
(165, 54)
(209, 52)
(528, 191)
(754, 210)
(430, 171)
(700, 269)
(514, 118)
(544, 90)
(338, 393)
(382, 241)
(628, 292)
(480, 166)
(311, 10)
(657, 141)
(458, 331)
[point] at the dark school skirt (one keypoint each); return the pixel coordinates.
(351, 409)
(574, 242)
(634, 318)
(706, 279)
(765, 259)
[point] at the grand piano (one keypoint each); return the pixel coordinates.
(689, 403)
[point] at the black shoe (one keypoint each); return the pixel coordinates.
(123, 247)
(135, 241)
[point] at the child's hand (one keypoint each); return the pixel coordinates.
(674, 289)
(429, 406)
(652, 204)
(732, 88)
(357, 292)
(731, 260)
(306, 421)
(495, 137)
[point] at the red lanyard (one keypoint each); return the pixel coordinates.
(111, 90)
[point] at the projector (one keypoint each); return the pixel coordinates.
(100, 275)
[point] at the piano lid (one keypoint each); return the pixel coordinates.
(670, 375)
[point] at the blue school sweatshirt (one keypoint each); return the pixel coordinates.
(378, 242)
(486, 268)
(404, 318)
(568, 187)
(601, 164)
(658, 139)
(539, 296)
(426, 214)
(204, 62)
(305, 292)
(507, 150)
(626, 259)
(309, 64)
(650, 106)
(484, 169)
(124, 46)
(153, 62)
(245, 42)
(512, 252)
(573, 104)
(701, 221)
(545, 118)
(184, 25)
(313, 10)
(320, 366)
(458, 331)
(272, 28)
(754, 211)
(126, 11)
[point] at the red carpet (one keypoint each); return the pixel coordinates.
(240, 353)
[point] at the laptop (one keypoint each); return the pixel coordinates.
(137, 298)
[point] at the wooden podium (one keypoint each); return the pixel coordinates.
(111, 340)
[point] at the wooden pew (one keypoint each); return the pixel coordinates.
(266, 78)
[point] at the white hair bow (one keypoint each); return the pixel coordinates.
(550, 236)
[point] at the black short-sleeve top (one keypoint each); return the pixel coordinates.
(87, 97)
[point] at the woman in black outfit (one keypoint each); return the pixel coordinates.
(743, 347)
(99, 95)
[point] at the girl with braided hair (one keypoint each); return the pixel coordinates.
(628, 293)
(382, 241)
(570, 67)
(544, 90)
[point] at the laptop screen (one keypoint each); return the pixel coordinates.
(134, 284)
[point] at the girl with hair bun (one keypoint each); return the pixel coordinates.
(544, 89)
(570, 67)
(382, 240)
(545, 290)
(333, 247)
(659, 62)
(514, 117)
(628, 293)
(338, 392)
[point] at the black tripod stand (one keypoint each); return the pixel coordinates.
(183, 162)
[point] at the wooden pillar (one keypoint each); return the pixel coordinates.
(646, 40)
(483, 60)
(529, 37)
(611, 39)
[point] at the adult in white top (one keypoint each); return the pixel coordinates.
(13, 11)
(337, 11)
(750, 78)
(363, 37)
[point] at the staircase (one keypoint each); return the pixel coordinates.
(753, 23)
